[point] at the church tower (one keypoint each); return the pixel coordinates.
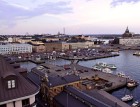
(127, 30)
(127, 33)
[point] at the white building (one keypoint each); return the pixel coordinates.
(15, 48)
(129, 41)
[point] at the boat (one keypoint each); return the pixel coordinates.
(39, 67)
(101, 64)
(98, 68)
(127, 98)
(132, 83)
(111, 66)
(121, 74)
(137, 53)
(105, 65)
(106, 70)
(136, 104)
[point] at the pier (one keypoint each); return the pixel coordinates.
(85, 58)
(86, 74)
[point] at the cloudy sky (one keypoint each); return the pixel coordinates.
(76, 16)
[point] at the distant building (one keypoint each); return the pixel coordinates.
(15, 90)
(57, 46)
(127, 33)
(80, 45)
(15, 48)
(128, 39)
(39, 48)
(60, 46)
(135, 41)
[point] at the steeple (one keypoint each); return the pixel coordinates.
(127, 30)
(127, 33)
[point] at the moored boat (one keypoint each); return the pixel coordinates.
(105, 65)
(127, 98)
(39, 67)
(121, 74)
(137, 53)
(106, 70)
(111, 66)
(132, 83)
(136, 104)
(98, 68)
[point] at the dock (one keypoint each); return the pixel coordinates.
(37, 61)
(85, 73)
(85, 58)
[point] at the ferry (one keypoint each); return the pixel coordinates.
(105, 65)
(136, 104)
(127, 98)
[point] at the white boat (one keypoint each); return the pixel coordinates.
(101, 64)
(137, 53)
(132, 83)
(106, 70)
(136, 104)
(121, 74)
(39, 67)
(105, 65)
(97, 68)
(127, 98)
(111, 66)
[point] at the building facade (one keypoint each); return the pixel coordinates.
(135, 41)
(129, 39)
(60, 46)
(15, 48)
(81, 45)
(39, 48)
(57, 46)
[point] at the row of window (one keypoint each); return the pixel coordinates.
(14, 49)
(9, 52)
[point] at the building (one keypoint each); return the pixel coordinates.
(39, 48)
(62, 46)
(15, 90)
(80, 45)
(135, 41)
(127, 33)
(61, 82)
(15, 48)
(51, 85)
(128, 39)
(57, 46)
(72, 97)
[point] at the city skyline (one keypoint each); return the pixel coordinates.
(76, 16)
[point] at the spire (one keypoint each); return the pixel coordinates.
(127, 30)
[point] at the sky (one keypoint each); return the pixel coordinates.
(75, 16)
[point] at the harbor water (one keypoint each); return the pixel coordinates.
(126, 62)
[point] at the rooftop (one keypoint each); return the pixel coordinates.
(23, 87)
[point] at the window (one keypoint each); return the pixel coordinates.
(25, 103)
(11, 84)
